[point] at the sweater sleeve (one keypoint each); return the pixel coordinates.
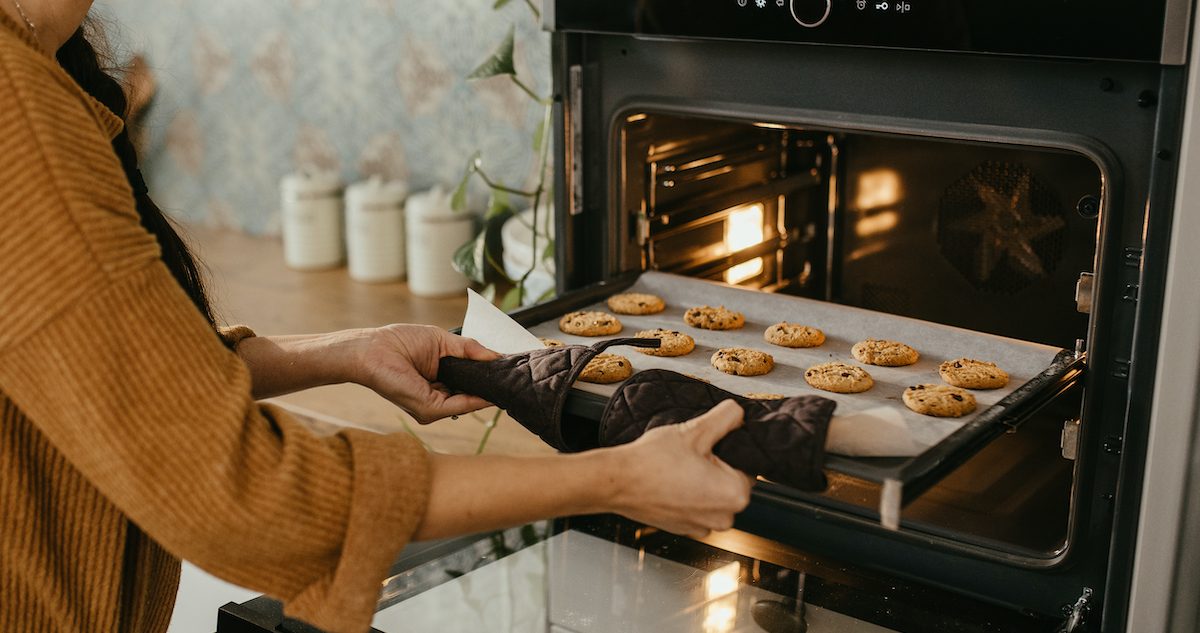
(103, 351)
(135, 390)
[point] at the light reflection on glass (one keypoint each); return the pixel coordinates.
(878, 188)
(720, 616)
(877, 223)
(743, 229)
(722, 581)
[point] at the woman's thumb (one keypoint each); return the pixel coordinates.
(716, 423)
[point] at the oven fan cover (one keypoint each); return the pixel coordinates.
(1001, 228)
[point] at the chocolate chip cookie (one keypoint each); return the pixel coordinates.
(884, 353)
(551, 342)
(718, 318)
(942, 401)
(606, 369)
(765, 396)
(673, 343)
(794, 335)
(839, 378)
(973, 374)
(636, 303)
(740, 361)
(584, 323)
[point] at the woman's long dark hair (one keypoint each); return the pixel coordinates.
(90, 69)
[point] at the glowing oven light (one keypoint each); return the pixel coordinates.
(743, 229)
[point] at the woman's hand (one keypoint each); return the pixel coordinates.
(672, 480)
(400, 363)
(668, 478)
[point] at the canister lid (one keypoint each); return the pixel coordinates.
(376, 192)
(312, 183)
(434, 205)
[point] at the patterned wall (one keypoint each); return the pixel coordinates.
(249, 90)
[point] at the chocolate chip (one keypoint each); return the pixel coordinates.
(845, 375)
(956, 397)
(958, 364)
(809, 373)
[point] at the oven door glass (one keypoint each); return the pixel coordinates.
(606, 574)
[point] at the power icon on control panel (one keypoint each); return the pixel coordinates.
(861, 4)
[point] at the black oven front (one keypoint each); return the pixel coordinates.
(1001, 167)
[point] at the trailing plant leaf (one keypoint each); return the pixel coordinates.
(500, 4)
(548, 252)
(501, 61)
(499, 205)
(546, 296)
(512, 299)
(470, 260)
(458, 201)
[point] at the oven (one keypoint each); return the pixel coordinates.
(1004, 169)
(1007, 168)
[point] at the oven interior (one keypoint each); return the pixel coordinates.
(989, 236)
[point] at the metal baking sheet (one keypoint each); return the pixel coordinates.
(871, 424)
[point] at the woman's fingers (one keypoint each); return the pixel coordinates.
(474, 351)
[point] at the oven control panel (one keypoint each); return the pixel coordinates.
(1088, 29)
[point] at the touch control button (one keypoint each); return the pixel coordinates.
(811, 13)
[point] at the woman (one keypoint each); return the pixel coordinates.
(129, 433)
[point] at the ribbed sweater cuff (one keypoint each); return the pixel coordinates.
(381, 523)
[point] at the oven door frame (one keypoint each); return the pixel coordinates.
(1134, 133)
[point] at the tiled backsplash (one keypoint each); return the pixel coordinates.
(251, 90)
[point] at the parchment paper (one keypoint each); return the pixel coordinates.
(871, 424)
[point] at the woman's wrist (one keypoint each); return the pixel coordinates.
(283, 364)
(611, 471)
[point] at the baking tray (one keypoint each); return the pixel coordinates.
(1038, 373)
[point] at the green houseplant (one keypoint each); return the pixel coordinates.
(479, 259)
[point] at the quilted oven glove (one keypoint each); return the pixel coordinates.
(782, 440)
(533, 386)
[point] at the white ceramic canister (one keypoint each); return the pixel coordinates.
(434, 232)
(312, 220)
(375, 230)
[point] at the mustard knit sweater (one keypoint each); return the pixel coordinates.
(128, 436)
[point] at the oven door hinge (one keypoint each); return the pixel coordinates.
(1076, 612)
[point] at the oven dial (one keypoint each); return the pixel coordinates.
(811, 13)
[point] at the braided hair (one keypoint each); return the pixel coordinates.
(89, 67)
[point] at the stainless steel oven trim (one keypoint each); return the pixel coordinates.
(1166, 570)
(1177, 22)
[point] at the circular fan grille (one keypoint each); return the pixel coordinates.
(1001, 227)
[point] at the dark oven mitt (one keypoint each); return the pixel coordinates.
(533, 386)
(782, 440)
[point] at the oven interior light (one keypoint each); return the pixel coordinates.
(743, 229)
(722, 581)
